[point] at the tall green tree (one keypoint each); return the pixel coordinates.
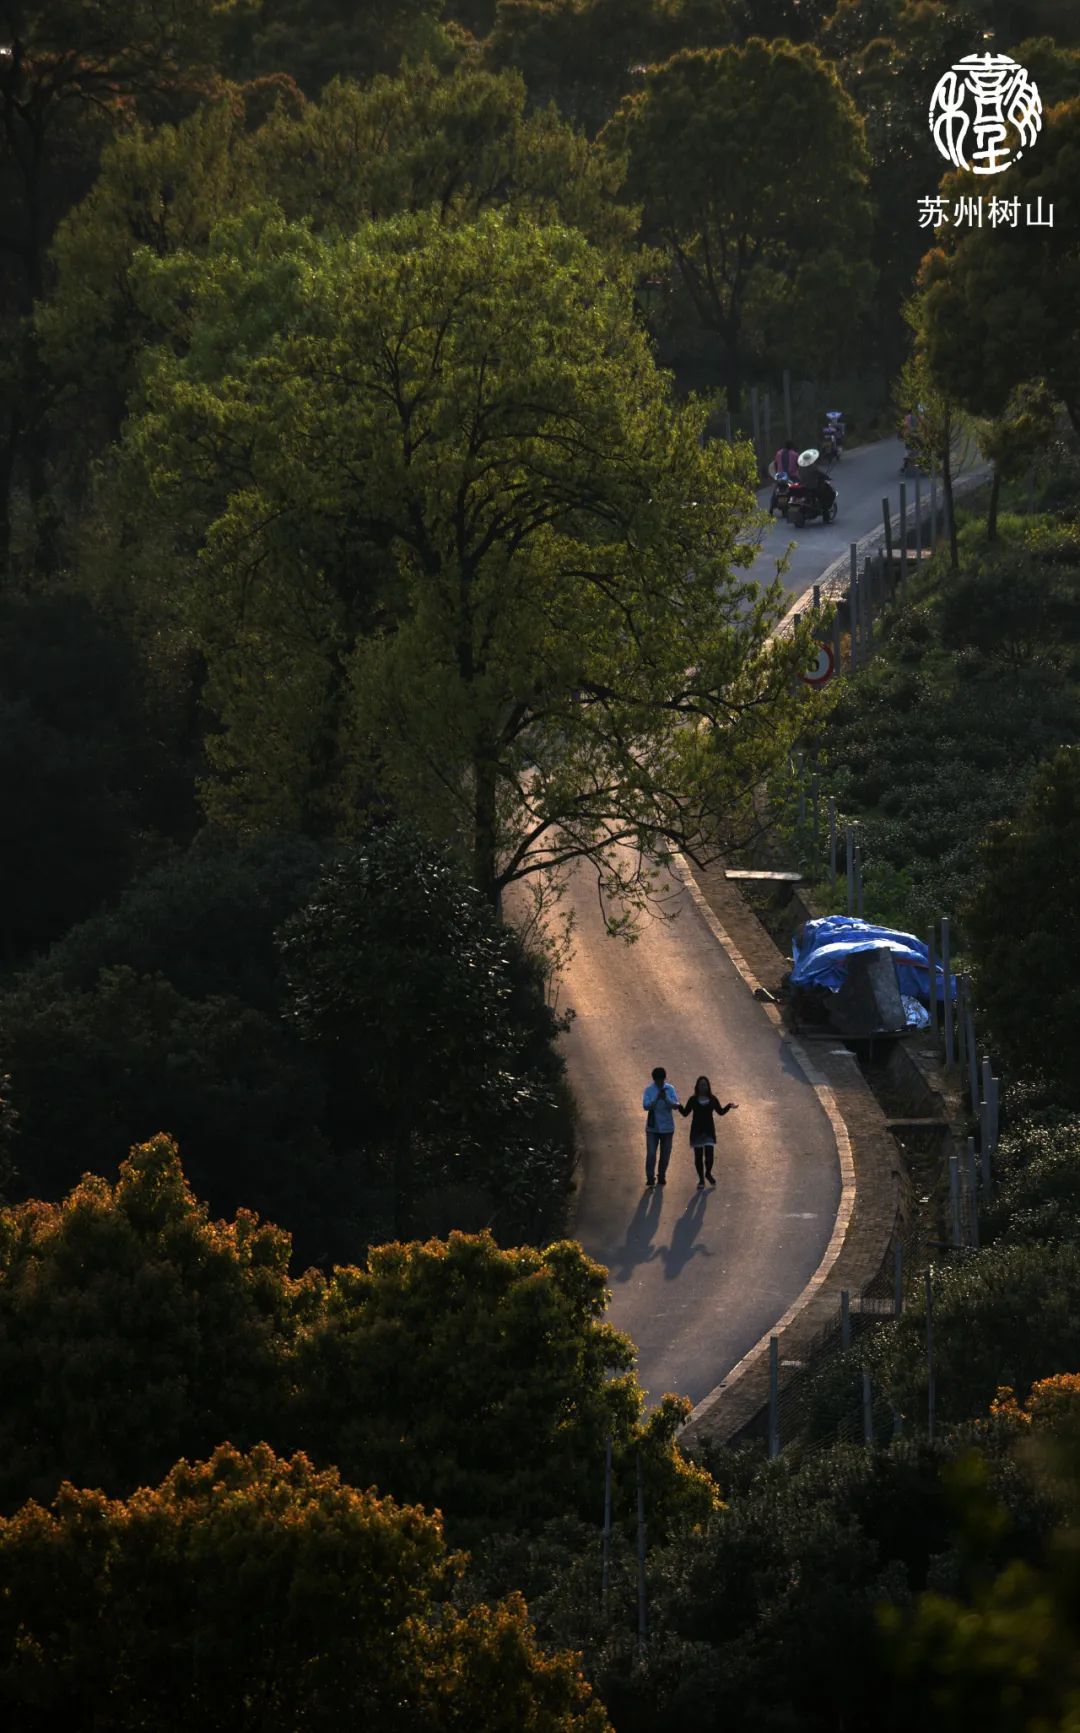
(455, 143)
(161, 187)
(483, 1380)
(137, 1330)
(486, 1381)
(252, 1592)
(434, 1026)
(712, 139)
(941, 433)
(314, 41)
(579, 54)
(71, 72)
(1000, 300)
(461, 550)
(890, 55)
(1023, 935)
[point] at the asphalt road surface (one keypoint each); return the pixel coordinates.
(862, 479)
(698, 1277)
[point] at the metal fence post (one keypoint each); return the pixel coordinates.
(774, 1398)
(849, 840)
(931, 958)
(946, 965)
(832, 843)
(898, 1278)
(605, 1574)
(886, 518)
(817, 598)
(858, 882)
(973, 1193)
(933, 511)
(836, 643)
(867, 1407)
(954, 1199)
(903, 535)
(643, 1628)
(918, 521)
(845, 1318)
(867, 610)
(961, 1029)
(973, 1051)
(995, 1127)
(853, 602)
(815, 829)
(930, 1390)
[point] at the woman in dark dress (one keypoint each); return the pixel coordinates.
(703, 1105)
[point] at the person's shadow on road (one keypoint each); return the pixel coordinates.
(637, 1248)
(682, 1247)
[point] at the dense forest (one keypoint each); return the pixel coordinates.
(364, 374)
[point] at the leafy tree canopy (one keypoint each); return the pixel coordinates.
(461, 547)
(254, 1592)
(1024, 931)
(999, 301)
(483, 1381)
(317, 40)
(137, 1329)
(709, 139)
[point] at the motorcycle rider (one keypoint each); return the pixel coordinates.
(814, 476)
(786, 462)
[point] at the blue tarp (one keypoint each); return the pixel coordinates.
(822, 951)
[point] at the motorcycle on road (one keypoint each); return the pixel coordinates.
(807, 501)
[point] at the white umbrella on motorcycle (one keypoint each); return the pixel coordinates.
(808, 457)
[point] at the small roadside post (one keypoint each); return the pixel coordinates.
(930, 1392)
(946, 968)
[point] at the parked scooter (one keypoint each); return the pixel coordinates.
(781, 493)
(832, 435)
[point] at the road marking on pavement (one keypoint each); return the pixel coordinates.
(846, 1206)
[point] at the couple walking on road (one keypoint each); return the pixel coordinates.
(661, 1103)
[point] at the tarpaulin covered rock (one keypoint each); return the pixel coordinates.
(823, 952)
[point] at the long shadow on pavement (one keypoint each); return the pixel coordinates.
(637, 1248)
(682, 1247)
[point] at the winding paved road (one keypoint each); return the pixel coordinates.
(699, 1277)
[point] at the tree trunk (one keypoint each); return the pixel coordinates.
(485, 865)
(947, 490)
(992, 516)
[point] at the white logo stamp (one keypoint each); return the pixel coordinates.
(994, 100)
